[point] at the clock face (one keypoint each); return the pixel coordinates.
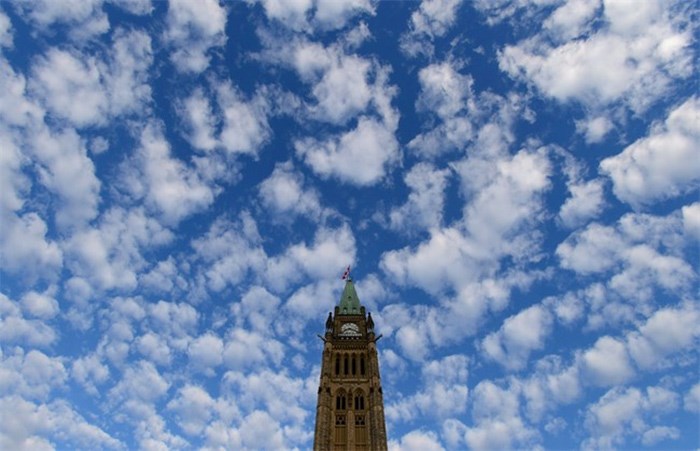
(350, 330)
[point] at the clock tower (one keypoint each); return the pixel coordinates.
(350, 407)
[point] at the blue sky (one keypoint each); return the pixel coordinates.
(515, 185)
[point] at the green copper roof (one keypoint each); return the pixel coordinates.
(349, 302)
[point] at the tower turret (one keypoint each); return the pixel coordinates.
(350, 406)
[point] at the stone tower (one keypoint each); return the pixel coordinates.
(350, 407)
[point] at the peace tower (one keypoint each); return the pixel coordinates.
(350, 408)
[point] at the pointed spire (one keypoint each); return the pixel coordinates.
(349, 302)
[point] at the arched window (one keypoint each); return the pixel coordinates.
(340, 403)
(362, 365)
(337, 364)
(354, 365)
(345, 364)
(359, 402)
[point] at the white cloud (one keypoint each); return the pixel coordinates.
(304, 15)
(497, 11)
(330, 246)
(421, 327)
(361, 156)
(175, 322)
(586, 202)
(417, 441)
(509, 202)
(497, 422)
(332, 14)
(140, 382)
(608, 418)
(14, 183)
(41, 305)
(14, 328)
(25, 249)
(691, 401)
(193, 30)
(567, 308)
(594, 129)
(310, 300)
(595, 249)
(423, 208)
(659, 433)
(284, 193)
(107, 87)
(258, 307)
(607, 363)
(494, 218)
(169, 187)
(200, 120)
(519, 335)
(84, 19)
(622, 413)
(126, 76)
(32, 374)
(641, 255)
(205, 352)
(60, 77)
(572, 19)
(138, 7)
(282, 397)
(235, 124)
(552, 384)
(435, 17)
(154, 348)
(448, 94)
(443, 394)
(260, 431)
(6, 38)
(667, 332)
(432, 19)
(342, 92)
(691, 220)
(444, 91)
(292, 13)
(595, 70)
(230, 251)
(647, 265)
(663, 164)
(165, 277)
(342, 85)
(245, 128)
(65, 169)
(245, 349)
(89, 371)
(35, 427)
(193, 408)
(109, 255)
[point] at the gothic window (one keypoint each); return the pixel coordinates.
(359, 401)
(340, 402)
(340, 420)
(337, 364)
(362, 365)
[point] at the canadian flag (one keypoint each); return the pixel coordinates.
(346, 274)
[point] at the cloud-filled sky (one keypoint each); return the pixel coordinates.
(514, 183)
